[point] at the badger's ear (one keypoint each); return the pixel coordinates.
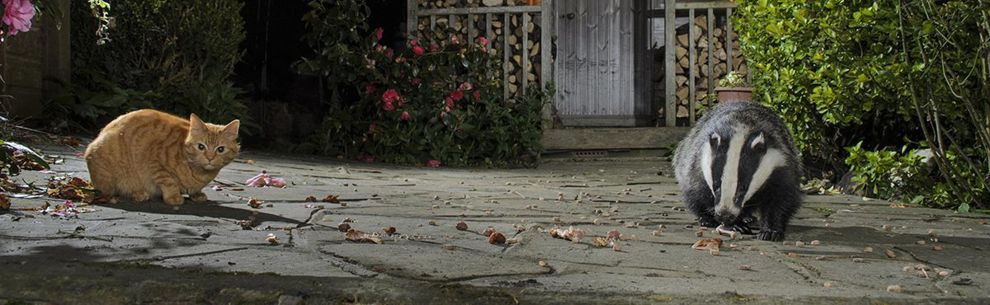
(758, 141)
(715, 139)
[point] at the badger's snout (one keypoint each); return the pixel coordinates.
(725, 217)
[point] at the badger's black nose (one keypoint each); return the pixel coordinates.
(726, 218)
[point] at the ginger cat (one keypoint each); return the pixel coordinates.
(147, 153)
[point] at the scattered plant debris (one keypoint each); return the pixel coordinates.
(264, 179)
(358, 236)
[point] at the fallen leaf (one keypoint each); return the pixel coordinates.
(889, 253)
(358, 236)
(344, 227)
(255, 203)
(4, 202)
(488, 232)
(331, 199)
(496, 238)
(706, 244)
(311, 198)
(71, 141)
(461, 226)
(389, 230)
(895, 288)
(599, 241)
(271, 239)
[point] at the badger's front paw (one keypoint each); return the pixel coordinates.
(707, 222)
(771, 235)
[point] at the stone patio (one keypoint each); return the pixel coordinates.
(149, 253)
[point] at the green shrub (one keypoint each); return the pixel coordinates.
(175, 56)
(901, 175)
(437, 101)
(889, 73)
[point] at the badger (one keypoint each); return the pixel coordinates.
(740, 159)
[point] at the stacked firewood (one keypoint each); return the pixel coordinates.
(716, 67)
(522, 64)
(431, 4)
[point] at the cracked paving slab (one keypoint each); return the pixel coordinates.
(839, 249)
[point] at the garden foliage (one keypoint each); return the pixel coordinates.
(172, 55)
(895, 75)
(437, 100)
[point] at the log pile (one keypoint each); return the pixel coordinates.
(434, 4)
(703, 67)
(521, 64)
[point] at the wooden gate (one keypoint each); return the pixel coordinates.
(597, 63)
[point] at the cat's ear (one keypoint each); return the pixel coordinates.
(195, 124)
(230, 131)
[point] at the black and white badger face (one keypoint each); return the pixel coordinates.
(736, 163)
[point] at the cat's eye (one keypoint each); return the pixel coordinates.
(201, 146)
(220, 149)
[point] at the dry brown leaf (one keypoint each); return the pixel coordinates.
(707, 244)
(496, 238)
(889, 253)
(311, 198)
(361, 237)
(4, 202)
(461, 226)
(331, 199)
(255, 203)
(599, 241)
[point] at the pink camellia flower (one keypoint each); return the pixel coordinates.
(17, 15)
(369, 88)
(434, 47)
(378, 33)
(402, 101)
(457, 95)
(414, 42)
(433, 163)
(418, 50)
(264, 179)
(483, 41)
(447, 109)
(477, 95)
(390, 95)
(380, 48)
(404, 116)
(466, 86)
(454, 39)
(388, 106)
(389, 53)
(448, 102)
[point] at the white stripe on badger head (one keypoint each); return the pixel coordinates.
(730, 174)
(773, 159)
(706, 166)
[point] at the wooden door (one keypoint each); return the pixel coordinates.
(595, 67)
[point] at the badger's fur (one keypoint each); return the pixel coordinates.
(740, 159)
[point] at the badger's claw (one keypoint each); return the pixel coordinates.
(708, 223)
(742, 228)
(771, 235)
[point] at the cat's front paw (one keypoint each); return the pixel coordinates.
(198, 198)
(174, 200)
(140, 196)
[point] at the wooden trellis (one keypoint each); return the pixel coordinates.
(516, 29)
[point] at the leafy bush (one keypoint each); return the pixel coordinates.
(901, 175)
(891, 73)
(171, 55)
(437, 101)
